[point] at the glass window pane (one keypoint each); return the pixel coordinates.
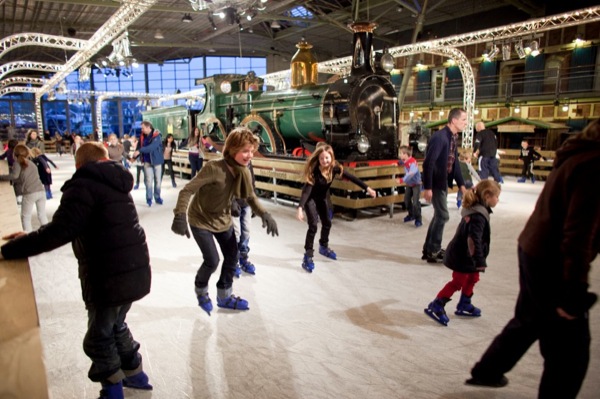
(197, 64)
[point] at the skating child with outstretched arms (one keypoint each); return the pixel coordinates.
(319, 172)
(467, 252)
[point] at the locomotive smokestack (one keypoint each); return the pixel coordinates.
(362, 47)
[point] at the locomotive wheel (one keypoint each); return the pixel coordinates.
(270, 142)
(218, 128)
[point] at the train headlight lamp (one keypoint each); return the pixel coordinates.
(362, 144)
(387, 62)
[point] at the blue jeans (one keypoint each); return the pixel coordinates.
(242, 230)
(435, 231)
(195, 163)
(228, 245)
(411, 201)
(152, 172)
(110, 345)
(489, 166)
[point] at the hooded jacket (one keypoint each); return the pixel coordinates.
(563, 232)
(470, 245)
(97, 214)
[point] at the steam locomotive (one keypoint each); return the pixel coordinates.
(357, 114)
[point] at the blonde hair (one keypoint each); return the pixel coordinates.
(91, 151)
(35, 152)
(237, 139)
(479, 193)
(20, 154)
(313, 161)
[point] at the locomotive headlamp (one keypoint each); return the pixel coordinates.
(362, 144)
(387, 62)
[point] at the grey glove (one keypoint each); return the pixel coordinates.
(269, 222)
(180, 225)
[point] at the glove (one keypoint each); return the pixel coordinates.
(269, 222)
(180, 225)
(236, 211)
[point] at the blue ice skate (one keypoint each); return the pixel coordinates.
(436, 311)
(238, 272)
(326, 251)
(112, 391)
(308, 264)
(247, 266)
(233, 302)
(138, 381)
(205, 303)
(466, 308)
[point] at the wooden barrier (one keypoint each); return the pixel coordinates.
(23, 372)
(511, 165)
(50, 146)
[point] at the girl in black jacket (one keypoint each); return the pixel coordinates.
(467, 252)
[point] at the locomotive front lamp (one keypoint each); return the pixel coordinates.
(362, 144)
(387, 62)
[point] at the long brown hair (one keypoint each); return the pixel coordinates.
(479, 193)
(313, 161)
(21, 153)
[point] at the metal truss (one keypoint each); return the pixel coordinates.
(39, 39)
(21, 80)
(101, 96)
(28, 65)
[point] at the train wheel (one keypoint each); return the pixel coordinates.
(270, 142)
(216, 128)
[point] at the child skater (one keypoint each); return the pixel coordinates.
(528, 156)
(469, 175)
(319, 172)
(412, 181)
(211, 192)
(97, 215)
(43, 165)
(241, 213)
(467, 252)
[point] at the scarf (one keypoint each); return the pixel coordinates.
(242, 183)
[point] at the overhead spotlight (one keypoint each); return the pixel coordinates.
(158, 35)
(187, 18)
(517, 109)
(275, 25)
(250, 30)
(520, 50)
(578, 40)
(490, 54)
(535, 48)
(506, 52)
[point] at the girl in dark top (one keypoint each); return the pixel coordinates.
(467, 252)
(169, 146)
(43, 165)
(319, 172)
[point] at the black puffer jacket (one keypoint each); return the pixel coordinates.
(470, 245)
(98, 216)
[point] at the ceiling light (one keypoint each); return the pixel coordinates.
(520, 50)
(275, 25)
(517, 109)
(158, 35)
(578, 40)
(490, 54)
(476, 111)
(535, 48)
(565, 108)
(187, 18)
(506, 52)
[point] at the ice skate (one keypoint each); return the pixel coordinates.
(408, 219)
(436, 311)
(466, 308)
(487, 382)
(238, 272)
(138, 381)
(326, 251)
(205, 303)
(111, 391)
(308, 264)
(247, 266)
(521, 180)
(233, 302)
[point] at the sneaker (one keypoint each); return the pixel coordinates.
(136, 186)
(521, 180)
(247, 266)
(408, 219)
(418, 223)
(137, 381)
(159, 201)
(233, 302)
(205, 303)
(485, 382)
(326, 251)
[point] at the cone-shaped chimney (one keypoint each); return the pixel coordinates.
(363, 47)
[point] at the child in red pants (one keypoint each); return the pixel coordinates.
(467, 252)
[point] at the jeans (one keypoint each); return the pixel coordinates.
(489, 166)
(228, 245)
(435, 231)
(315, 210)
(241, 227)
(195, 164)
(411, 201)
(110, 345)
(564, 344)
(39, 199)
(152, 172)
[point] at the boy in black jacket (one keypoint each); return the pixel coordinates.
(528, 156)
(98, 216)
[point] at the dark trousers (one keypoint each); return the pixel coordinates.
(195, 164)
(229, 248)
(169, 163)
(315, 210)
(411, 201)
(435, 231)
(139, 169)
(527, 171)
(489, 166)
(110, 345)
(564, 344)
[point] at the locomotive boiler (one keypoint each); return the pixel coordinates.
(357, 114)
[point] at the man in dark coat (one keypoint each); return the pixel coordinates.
(440, 168)
(98, 216)
(486, 147)
(556, 248)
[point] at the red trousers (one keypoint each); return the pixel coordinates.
(460, 282)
